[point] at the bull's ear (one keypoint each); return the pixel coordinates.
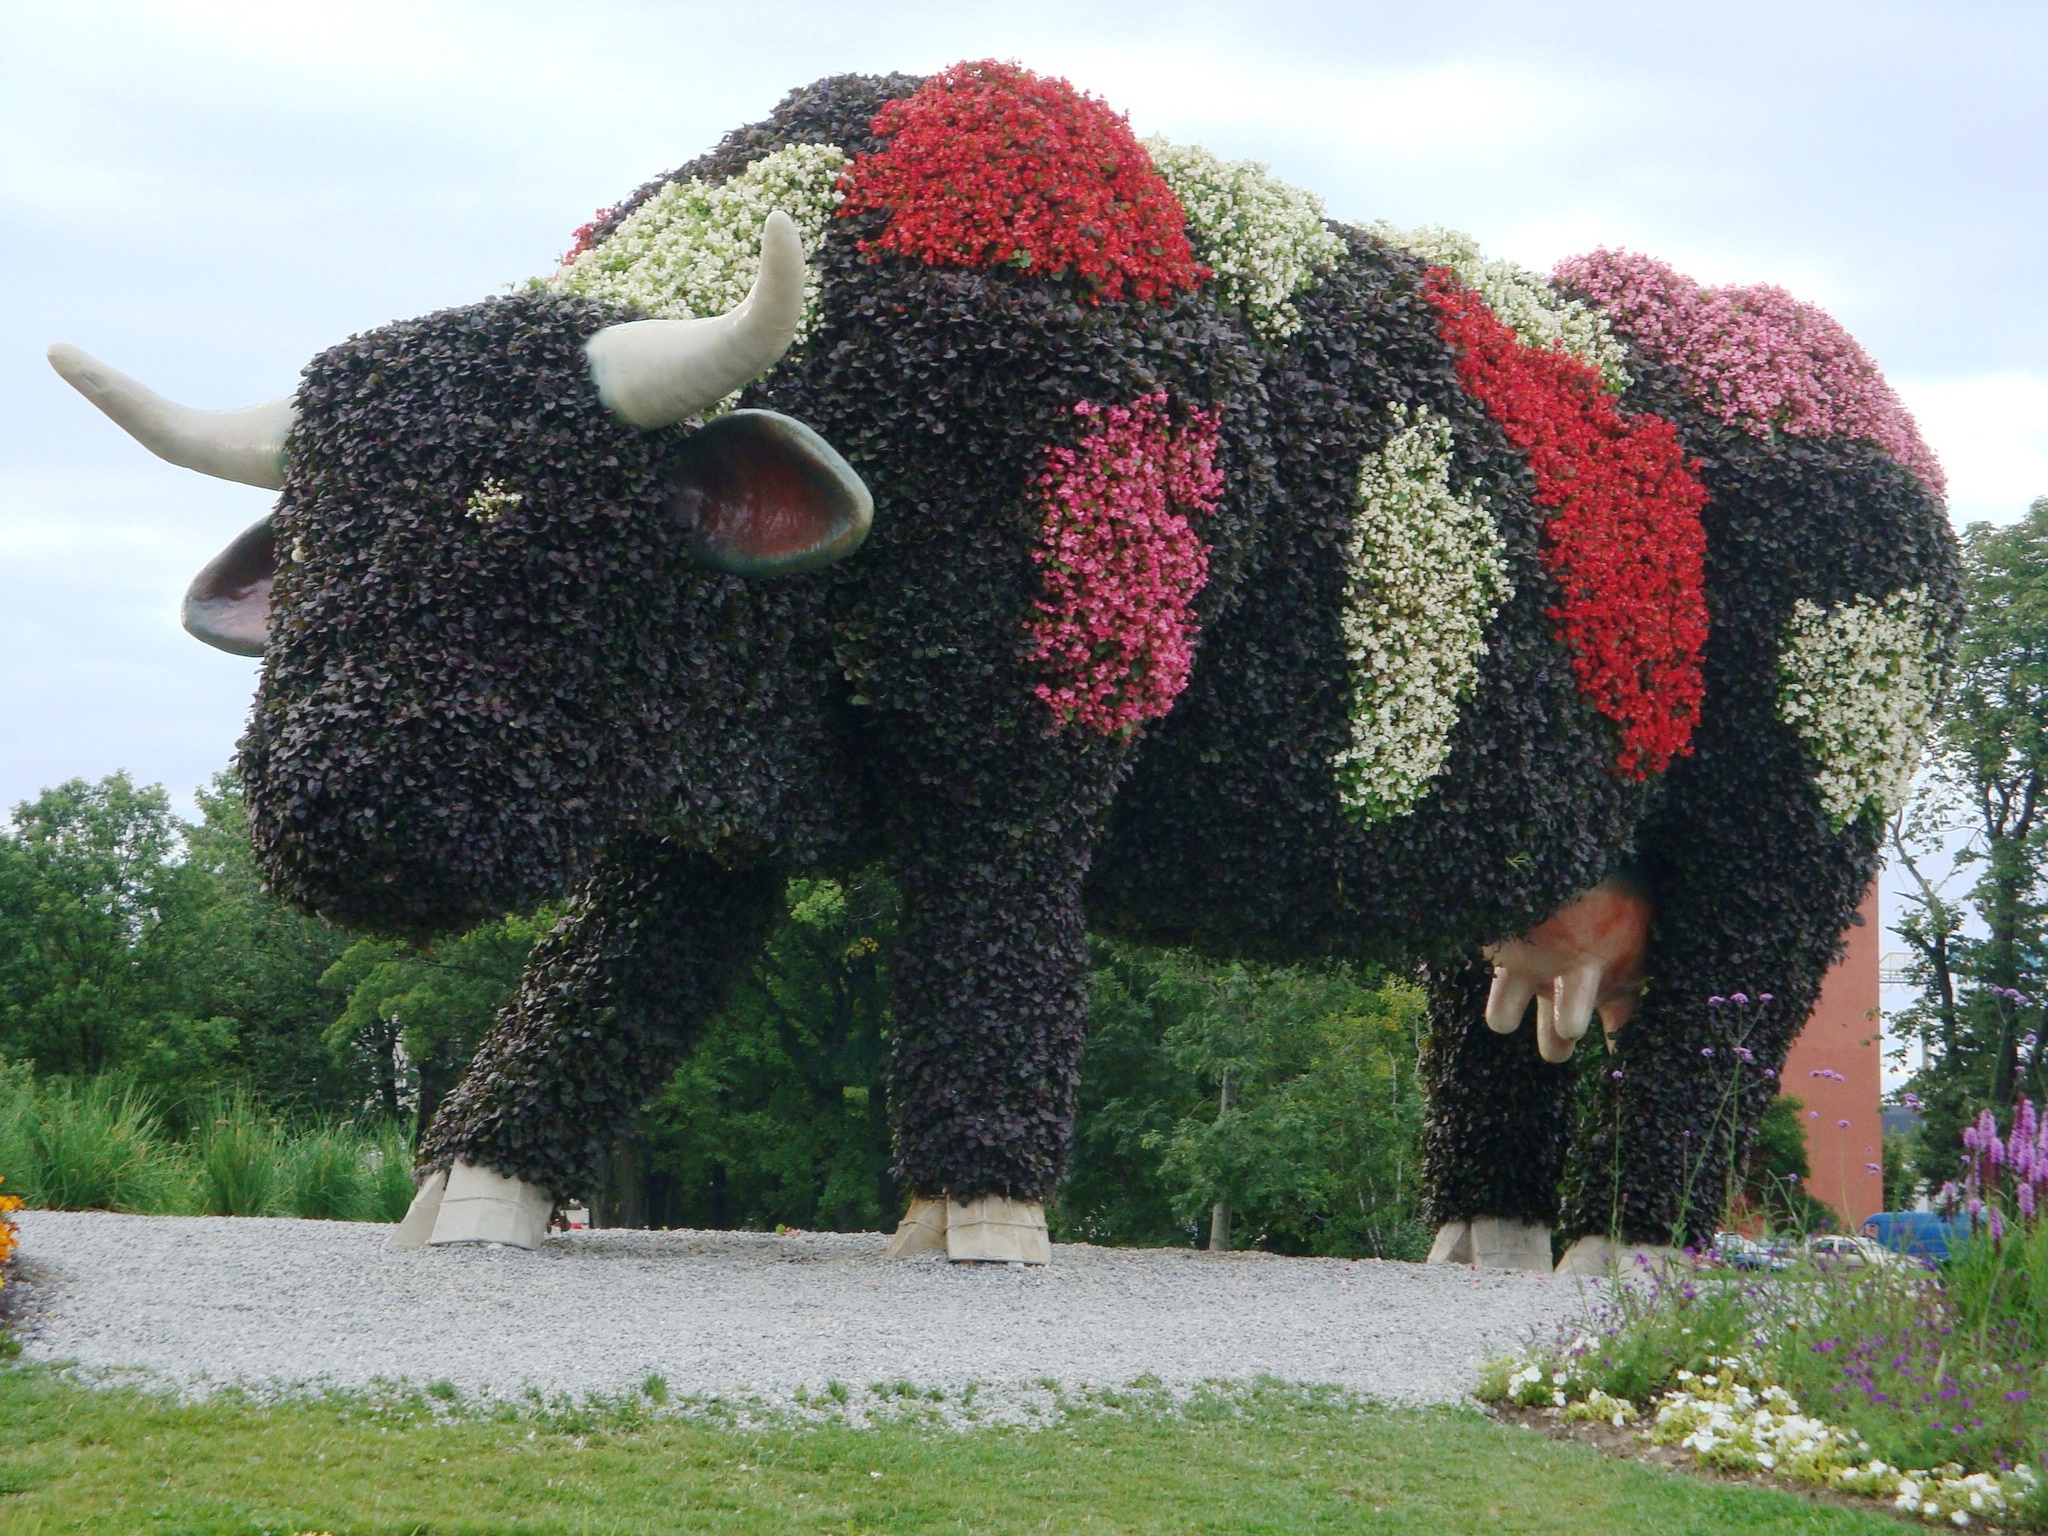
(763, 495)
(228, 603)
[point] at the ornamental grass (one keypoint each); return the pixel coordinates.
(103, 1145)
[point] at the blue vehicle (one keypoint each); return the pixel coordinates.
(1917, 1234)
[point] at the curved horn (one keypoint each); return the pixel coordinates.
(653, 373)
(245, 445)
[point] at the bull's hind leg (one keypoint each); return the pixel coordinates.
(1753, 892)
(608, 1004)
(1499, 1119)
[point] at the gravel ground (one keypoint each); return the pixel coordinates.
(283, 1305)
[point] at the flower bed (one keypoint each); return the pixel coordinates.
(692, 249)
(1927, 1389)
(1121, 563)
(1425, 572)
(1858, 683)
(1263, 240)
(10, 1239)
(1538, 314)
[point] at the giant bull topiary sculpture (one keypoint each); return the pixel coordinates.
(1251, 581)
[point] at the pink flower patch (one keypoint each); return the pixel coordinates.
(1755, 357)
(1120, 563)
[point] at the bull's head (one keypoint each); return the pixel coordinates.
(468, 595)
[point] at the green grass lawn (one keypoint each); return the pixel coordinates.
(1271, 1460)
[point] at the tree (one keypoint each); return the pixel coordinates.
(780, 1115)
(1309, 1149)
(230, 950)
(1995, 733)
(1979, 963)
(414, 1014)
(87, 881)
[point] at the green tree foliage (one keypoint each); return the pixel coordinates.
(1996, 736)
(133, 942)
(1980, 962)
(1312, 1148)
(1776, 1172)
(412, 1015)
(83, 883)
(780, 1114)
(142, 951)
(245, 957)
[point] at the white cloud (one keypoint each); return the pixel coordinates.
(1991, 432)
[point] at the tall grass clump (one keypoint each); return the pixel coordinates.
(102, 1145)
(90, 1146)
(391, 1185)
(326, 1174)
(1998, 1280)
(240, 1158)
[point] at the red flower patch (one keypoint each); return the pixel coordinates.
(581, 240)
(1120, 563)
(1625, 544)
(989, 165)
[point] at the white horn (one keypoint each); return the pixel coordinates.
(653, 373)
(245, 445)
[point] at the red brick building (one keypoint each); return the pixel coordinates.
(1836, 1067)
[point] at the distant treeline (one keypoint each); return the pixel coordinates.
(143, 965)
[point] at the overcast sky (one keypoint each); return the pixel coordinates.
(206, 194)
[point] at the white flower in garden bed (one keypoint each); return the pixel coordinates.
(692, 249)
(1265, 240)
(1426, 571)
(1521, 300)
(1858, 683)
(1733, 1418)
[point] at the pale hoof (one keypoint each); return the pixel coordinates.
(1501, 1243)
(1453, 1244)
(1598, 1257)
(997, 1230)
(480, 1206)
(922, 1229)
(412, 1232)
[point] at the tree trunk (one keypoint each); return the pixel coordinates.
(1219, 1214)
(621, 1200)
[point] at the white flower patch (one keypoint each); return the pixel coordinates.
(1426, 572)
(1732, 1416)
(692, 249)
(492, 500)
(1264, 239)
(1522, 301)
(1858, 683)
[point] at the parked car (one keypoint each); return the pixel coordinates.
(1916, 1234)
(1838, 1250)
(1740, 1252)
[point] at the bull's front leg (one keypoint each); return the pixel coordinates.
(1501, 1098)
(610, 1001)
(991, 975)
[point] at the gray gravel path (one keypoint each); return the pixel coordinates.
(279, 1304)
